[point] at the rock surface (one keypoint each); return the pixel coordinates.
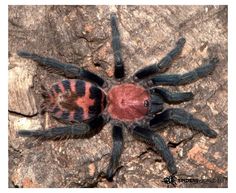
(19, 87)
(81, 35)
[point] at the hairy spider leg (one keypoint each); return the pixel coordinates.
(118, 143)
(182, 79)
(182, 117)
(68, 131)
(161, 66)
(159, 145)
(119, 64)
(67, 70)
(156, 104)
(171, 97)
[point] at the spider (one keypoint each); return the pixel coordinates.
(85, 101)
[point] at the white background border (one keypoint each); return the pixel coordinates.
(4, 90)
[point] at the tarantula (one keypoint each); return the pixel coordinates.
(87, 102)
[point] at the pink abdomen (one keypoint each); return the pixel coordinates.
(75, 100)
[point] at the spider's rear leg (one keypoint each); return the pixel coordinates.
(119, 64)
(67, 70)
(68, 131)
(182, 117)
(171, 97)
(189, 77)
(159, 145)
(117, 136)
(161, 66)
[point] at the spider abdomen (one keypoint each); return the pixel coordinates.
(126, 102)
(74, 100)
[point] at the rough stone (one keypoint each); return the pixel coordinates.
(20, 83)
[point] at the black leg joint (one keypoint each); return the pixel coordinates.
(119, 71)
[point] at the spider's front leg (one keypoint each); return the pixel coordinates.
(117, 136)
(161, 66)
(160, 95)
(159, 145)
(171, 97)
(119, 64)
(67, 70)
(68, 131)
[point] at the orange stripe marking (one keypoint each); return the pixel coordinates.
(61, 87)
(73, 85)
(85, 102)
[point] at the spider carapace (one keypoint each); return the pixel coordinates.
(86, 102)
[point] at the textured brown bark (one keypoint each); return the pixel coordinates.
(81, 35)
